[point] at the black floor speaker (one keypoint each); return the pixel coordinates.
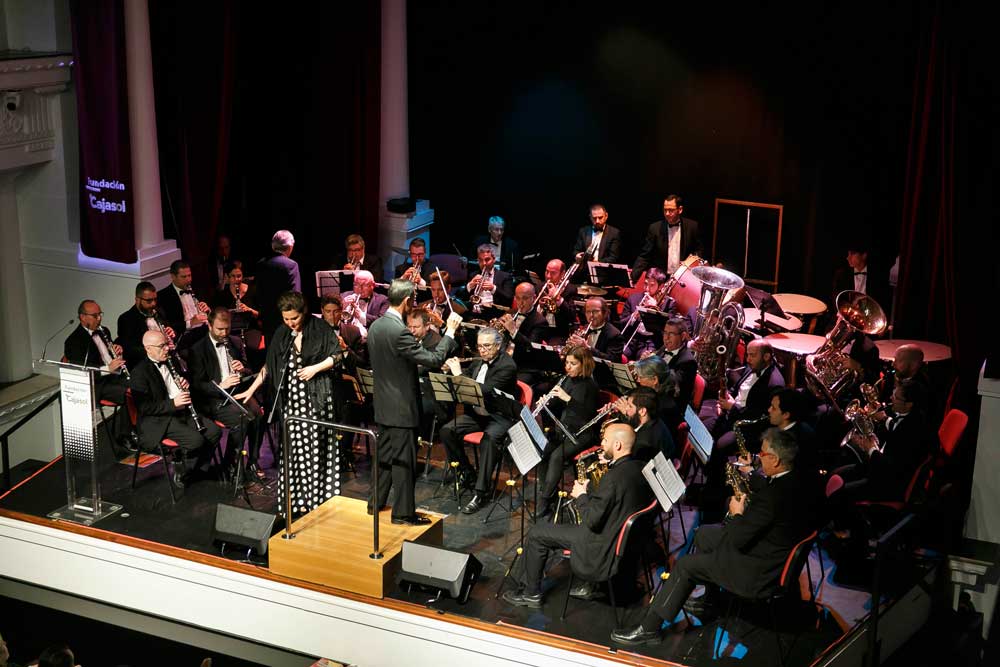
(239, 525)
(452, 572)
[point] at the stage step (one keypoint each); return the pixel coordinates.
(332, 544)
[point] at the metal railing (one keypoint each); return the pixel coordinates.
(5, 437)
(286, 473)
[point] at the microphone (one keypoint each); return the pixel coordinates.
(59, 331)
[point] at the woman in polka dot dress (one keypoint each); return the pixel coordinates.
(306, 349)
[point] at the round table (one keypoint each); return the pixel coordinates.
(793, 346)
(800, 304)
(752, 320)
(932, 351)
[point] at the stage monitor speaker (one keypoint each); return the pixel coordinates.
(239, 525)
(452, 572)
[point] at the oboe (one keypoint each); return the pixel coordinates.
(178, 380)
(111, 350)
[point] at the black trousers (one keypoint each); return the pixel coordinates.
(550, 470)
(689, 571)
(397, 462)
(494, 429)
(240, 427)
(191, 443)
(542, 539)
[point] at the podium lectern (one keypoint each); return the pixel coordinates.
(79, 444)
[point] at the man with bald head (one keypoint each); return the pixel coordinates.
(623, 491)
(163, 404)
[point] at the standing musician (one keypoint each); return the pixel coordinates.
(90, 345)
(668, 241)
(653, 297)
(746, 554)
(299, 360)
(623, 492)
(418, 270)
(136, 321)
(183, 311)
(577, 392)
(352, 343)
(275, 276)
(364, 304)
(220, 358)
(641, 408)
(395, 355)
(356, 258)
(506, 250)
(602, 337)
(493, 370)
(598, 241)
(164, 408)
(489, 284)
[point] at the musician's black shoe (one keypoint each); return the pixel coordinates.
(253, 470)
(522, 600)
(637, 636)
(475, 504)
(467, 477)
(704, 609)
(413, 520)
(584, 591)
(180, 479)
(381, 507)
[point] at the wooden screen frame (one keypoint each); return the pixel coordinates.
(773, 282)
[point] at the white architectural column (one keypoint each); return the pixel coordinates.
(15, 339)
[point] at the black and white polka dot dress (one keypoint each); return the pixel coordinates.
(314, 454)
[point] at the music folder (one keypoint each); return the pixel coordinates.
(334, 282)
(605, 273)
(654, 320)
(699, 436)
(666, 483)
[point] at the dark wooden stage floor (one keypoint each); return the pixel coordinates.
(148, 514)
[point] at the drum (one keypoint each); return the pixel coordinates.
(686, 288)
(752, 319)
(789, 348)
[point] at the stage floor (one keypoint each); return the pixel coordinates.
(148, 514)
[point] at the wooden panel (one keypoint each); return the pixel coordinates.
(332, 545)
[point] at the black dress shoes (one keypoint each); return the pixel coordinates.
(414, 520)
(522, 600)
(475, 504)
(637, 636)
(379, 509)
(584, 591)
(253, 470)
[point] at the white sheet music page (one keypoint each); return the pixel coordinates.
(534, 429)
(522, 450)
(667, 485)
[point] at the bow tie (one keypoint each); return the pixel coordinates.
(187, 291)
(160, 364)
(861, 273)
(674, 225)
(220, 344)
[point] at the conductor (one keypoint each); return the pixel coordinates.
(395, 355)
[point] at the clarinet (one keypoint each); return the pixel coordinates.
(163, 330)
(111, 350)
(178, 380)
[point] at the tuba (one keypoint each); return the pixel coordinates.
(828, 373)
(719, 323)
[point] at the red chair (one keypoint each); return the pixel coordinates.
(164, 446)
(698, 395)
(476, 437)
(951, 430)
(621, 550)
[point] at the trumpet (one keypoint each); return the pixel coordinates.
(350, 311)
(413, 273)
(477, 294)
(551, 301)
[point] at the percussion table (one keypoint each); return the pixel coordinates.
(752, 320)
(932, 351)
(794, 345)
(803, 305)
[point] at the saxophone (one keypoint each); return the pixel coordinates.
(741, 488)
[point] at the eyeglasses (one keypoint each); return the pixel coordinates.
(160, 346)
(147, 300)
(93, 314)
(485, 346)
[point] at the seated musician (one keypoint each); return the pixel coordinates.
(418, 269)
(787, 411)
(438, 303)
(164, 408)
(488, 284)
(598, 241)
(908, 366)
(494, 370)
(668, 241)
(356, 259)
(679, 357)
(524, 326)
(418, 321)
(364, 302)
(220, 358)
(557, 308)
(505, 249)
(90, 345)
(642, 409)
(602, 337)
(653, 372)
(350, 338)
(623, 491)
(136, 321)
(746, 554)
(184, 312)
(576, 404)
(654, 297)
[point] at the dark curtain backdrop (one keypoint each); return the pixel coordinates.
(107, 230)
(267, 119)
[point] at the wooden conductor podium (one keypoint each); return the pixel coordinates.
(333, 545)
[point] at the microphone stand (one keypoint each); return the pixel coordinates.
(281, 380)
(58, 331)
(244, 415)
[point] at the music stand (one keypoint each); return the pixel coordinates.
(699, 436)
(456, 389)
(334, 282)
(244, 416)
(618, 275)
(667, 485)
(621, 374)
(367, 381)
(79, 443)
(767, 305)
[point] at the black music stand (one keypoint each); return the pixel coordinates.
(668, 487)
(605, 273)
(513, 407)
(767, 305)
(334, 282)
(621, 375)
(456, 389)
(244, 416)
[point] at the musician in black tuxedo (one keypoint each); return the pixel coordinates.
(350, 338)
(860, 275)
(367, 304)
(163, 408)
(558, 309)
(136, 321)
(746, 554)
(495, 370)
(669, 241)
(357, 259)
(623, 492)
(598, 241)
(418, 256)
(498, 287)
(523, 326)
(679, 357)
(185, 314)
(505, 249)
(220, 358)
(395, 355)
(603, 338)
(641, 408)
(639, 340)
(90, 345)
(275, 276)
(787, 411)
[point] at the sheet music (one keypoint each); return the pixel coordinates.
(537, 435)
(522, 450)
(699, 435)
(663, 478)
